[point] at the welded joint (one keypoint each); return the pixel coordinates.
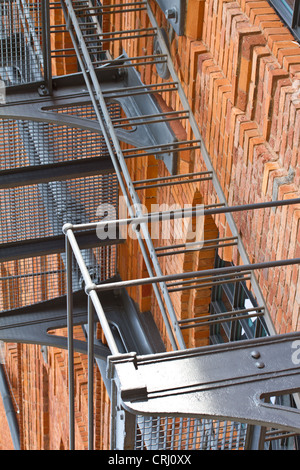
(67, 227)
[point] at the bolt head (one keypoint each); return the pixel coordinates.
(255, 354)
(171, 14)
(260, 365)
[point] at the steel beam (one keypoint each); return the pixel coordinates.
(59, 171)
(229, 381)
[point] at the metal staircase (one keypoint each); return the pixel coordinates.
(215, 397)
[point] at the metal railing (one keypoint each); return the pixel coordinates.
(94, 51)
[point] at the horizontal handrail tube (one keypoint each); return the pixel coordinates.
(181, 213)
(147, 218)
(171, 277)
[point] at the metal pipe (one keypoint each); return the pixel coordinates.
(102, 7)
(9, 409)
(191, 212)
(209, 284)
(220, 314)
(203, 248)
(90, 290)
(171, 277)
(90, 373)
(159, 152)
(160, 146)
(171, 177)
(172, 183)
(70, 344)
(213, 322)
(146, 116)
(136, 36)
(210, 278)
(129, 59)
(141, 87)
(147, 218)
(186, 245)
(150, 121)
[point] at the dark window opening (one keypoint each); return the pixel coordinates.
(289, 11)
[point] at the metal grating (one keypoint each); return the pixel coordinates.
(29, 281)
(168, 433)
(38, 211)
(21, 42)
(26, 143)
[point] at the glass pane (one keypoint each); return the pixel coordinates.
(290, 3)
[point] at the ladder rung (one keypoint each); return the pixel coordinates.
(157, 118)
(126, 59)
(172, 183)
(161, 152)
(151, 121)
(192, 250)
(136, 36)
(223, 314)
(123, 66)
(141, 90)
(115, 33)
(114, 12)
(160, 146)
(209, 278)
(102, 7)
(186, 245)
(221, 320)
(172, 177)
(147, 116)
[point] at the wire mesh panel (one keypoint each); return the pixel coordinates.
(31, 212)
(29, 281)
(21, 41)
(41, 210)
(188, 434)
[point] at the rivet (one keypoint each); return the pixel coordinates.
(260, 365)
(171, 14)
(255, 354)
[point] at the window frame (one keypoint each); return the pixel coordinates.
(290, 15)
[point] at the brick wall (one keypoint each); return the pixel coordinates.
(239, 67)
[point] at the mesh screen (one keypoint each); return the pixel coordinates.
(29, 281)
(188, 434)
(25, 143)
(21, 58)
(37, 211)
(31, 212)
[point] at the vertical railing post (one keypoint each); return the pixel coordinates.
(70, 342)
(47, 72)
(90, 374)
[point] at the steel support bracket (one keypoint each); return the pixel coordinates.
(174, 11)
(232, 381)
